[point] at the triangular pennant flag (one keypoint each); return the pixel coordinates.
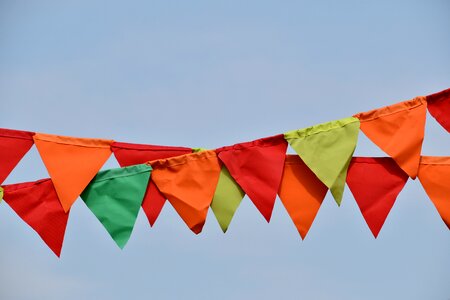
(38, 205)
(375, 183)
(439, 107)
(227, 197)
(14, 144)
(71, 162)
(301, 193)
(398, 130)
(327, 150)
(434, 175)
(115, 196)
(257, 166)
(132, 154)
(188, 182)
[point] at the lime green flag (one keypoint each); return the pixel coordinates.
(199, 149)
(226, 200)
(327, 150)
(115, 196)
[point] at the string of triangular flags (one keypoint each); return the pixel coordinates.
(193, 180)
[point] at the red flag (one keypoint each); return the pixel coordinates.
(257, 166)
(375, 182)
(14, 144)
(132, 154)
(439, 107)
(38, 205)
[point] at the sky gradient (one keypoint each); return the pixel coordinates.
(203, 74)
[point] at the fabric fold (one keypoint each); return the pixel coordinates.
(434, 175)
(439, 107)
(257, 167)
(227, 198)
(128, 154)
(14, 144)
(38, 205)
(71, 162)
(375, 183)
(114, 196)
(398, 130)
(327, 149)
(301, 193)
(188, 182)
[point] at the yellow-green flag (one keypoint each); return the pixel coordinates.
(227, 197)
(327, 150)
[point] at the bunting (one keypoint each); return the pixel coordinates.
(115, 196)
(375, 183)
(37, 204)
(301, 193)
(439, 107)
(132, 154)
(399, 131)
(257, 166)
(434, 175)
(71, 162)
(327, 149)
(189, 182)
(194, 179)
(14, 144)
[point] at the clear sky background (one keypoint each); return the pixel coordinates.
(209, 74)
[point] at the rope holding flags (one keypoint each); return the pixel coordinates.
(192, 180)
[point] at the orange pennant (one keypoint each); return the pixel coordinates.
(189, 182)
(71, 162)
(301, 193)
(434, 175)
(398, 130)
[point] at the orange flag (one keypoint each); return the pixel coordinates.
(398, 130)
(301, 193)
(71, 162)
(434, 175)
(189, 182)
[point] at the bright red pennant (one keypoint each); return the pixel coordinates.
(375, 183)
(128, 154)
(439, 107)
(14, 144)
(257, 166)
(301, 193)
(434, 175)
(38, 205)
(71, 162)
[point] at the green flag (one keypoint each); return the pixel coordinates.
(115, 196)
(227, 197)
(327, 150)
(198, 149)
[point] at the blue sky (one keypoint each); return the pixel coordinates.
(208, 74)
